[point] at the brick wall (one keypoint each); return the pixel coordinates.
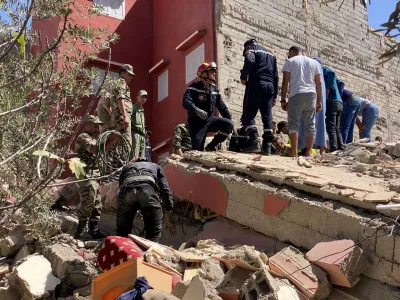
(341, 38)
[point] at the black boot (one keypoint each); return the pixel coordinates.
(266, 149)
(211, 147)
(80, 232)
(94, 231)
(253, 147)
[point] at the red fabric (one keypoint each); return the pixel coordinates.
(117, 250)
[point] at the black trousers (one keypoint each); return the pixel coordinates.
(333, 116)
(146, 200)
(199, 130)
(258, 96)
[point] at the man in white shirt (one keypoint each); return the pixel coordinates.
(302, 75)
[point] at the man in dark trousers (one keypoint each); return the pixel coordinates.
(200, 100)
(139, 184)
(260, 75)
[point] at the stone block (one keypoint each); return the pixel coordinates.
(34, 277)
(233, 280)
(262, 285)
(11, 244)
(22, 253)
(311, 280)
(342, 260)
(69, 224)
(61, 258)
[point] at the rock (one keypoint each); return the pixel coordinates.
(180, 289)
(233, 280)
(347, 192)
(353, 151)
(91, 244)
(157, 295)
(389, 147)
(4, 269)
(69, 224)
(11, 244)
(360, 167)
(211, 270)
(81, 244)
(364, 157)
(200, 289)
(342, 260)
(264, 286)
(394, 185)
(9, 293)
(244, 253)
(34, 278)
(396, 150)
(311, 281)
(83, 291)
(61, 258)
(382, 158)
(22, 253)
(383, 197)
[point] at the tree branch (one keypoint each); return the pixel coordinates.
(40, 157)
(54, 46)
(20, 32)
(34, 101)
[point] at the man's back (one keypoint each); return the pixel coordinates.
(302, 75)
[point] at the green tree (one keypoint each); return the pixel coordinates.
(39, 95)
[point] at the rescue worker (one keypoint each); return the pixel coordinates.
(260, 75)
(89, 191)
(138, 127)
(200, 100)
(182, 141)
(139, 183)
(103, 111)
(121, 104)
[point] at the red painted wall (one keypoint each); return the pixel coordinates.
(173, 22)
(133, 47)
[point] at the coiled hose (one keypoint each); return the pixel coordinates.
(117, 156)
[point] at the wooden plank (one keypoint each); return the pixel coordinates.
(190, 271)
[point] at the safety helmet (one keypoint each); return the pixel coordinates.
(205, 67)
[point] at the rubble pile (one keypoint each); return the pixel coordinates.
(369, 159)
(63, 269)
(213, 271)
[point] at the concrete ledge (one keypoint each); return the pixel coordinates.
(284, 212)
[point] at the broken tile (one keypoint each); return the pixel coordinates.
(319, 182)
(342, 260)
(380, 197)
(347, 192)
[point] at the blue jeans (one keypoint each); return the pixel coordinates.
(351, 108)
(369, 116)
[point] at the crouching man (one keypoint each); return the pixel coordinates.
(139, 184)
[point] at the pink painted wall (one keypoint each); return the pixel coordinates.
(173, 22)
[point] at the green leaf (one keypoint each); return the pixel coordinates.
(77, 167)
(46, 153)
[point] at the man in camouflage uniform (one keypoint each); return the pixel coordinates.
(182, 141)
(138, 127)
(89, 191)
(104, 113)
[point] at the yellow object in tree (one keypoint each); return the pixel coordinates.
(21, 41)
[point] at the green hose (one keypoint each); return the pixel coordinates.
(123, 153)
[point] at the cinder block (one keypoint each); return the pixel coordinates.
(311, 280)
(342, 260)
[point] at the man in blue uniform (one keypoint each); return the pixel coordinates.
(200, 100)
(260, 75)
(140, 184)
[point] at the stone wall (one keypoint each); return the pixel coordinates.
(341, 37)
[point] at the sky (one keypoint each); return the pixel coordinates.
(378, 12)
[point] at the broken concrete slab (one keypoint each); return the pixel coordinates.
(311, 280)
(61, 258)
(383, 197)
(180, 288)
(11, 244)
(212, 271)
(69, 224)
(262, 285)
(318, 182)
(158, 295)
(347, 192)
(34, 277)
(200, 289)
(343, 260)
(233, 281)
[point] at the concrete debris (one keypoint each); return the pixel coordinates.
(212, 271)
(11, 244)
(233, 280)
(364, 157)
(311, 280)
(342, 260)
(4, 269)
(158, 295)
(262, 285)
(24, 252)
(69, 224)
(200, 289)
(34, 278)
(245, 253)
(180, 288)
